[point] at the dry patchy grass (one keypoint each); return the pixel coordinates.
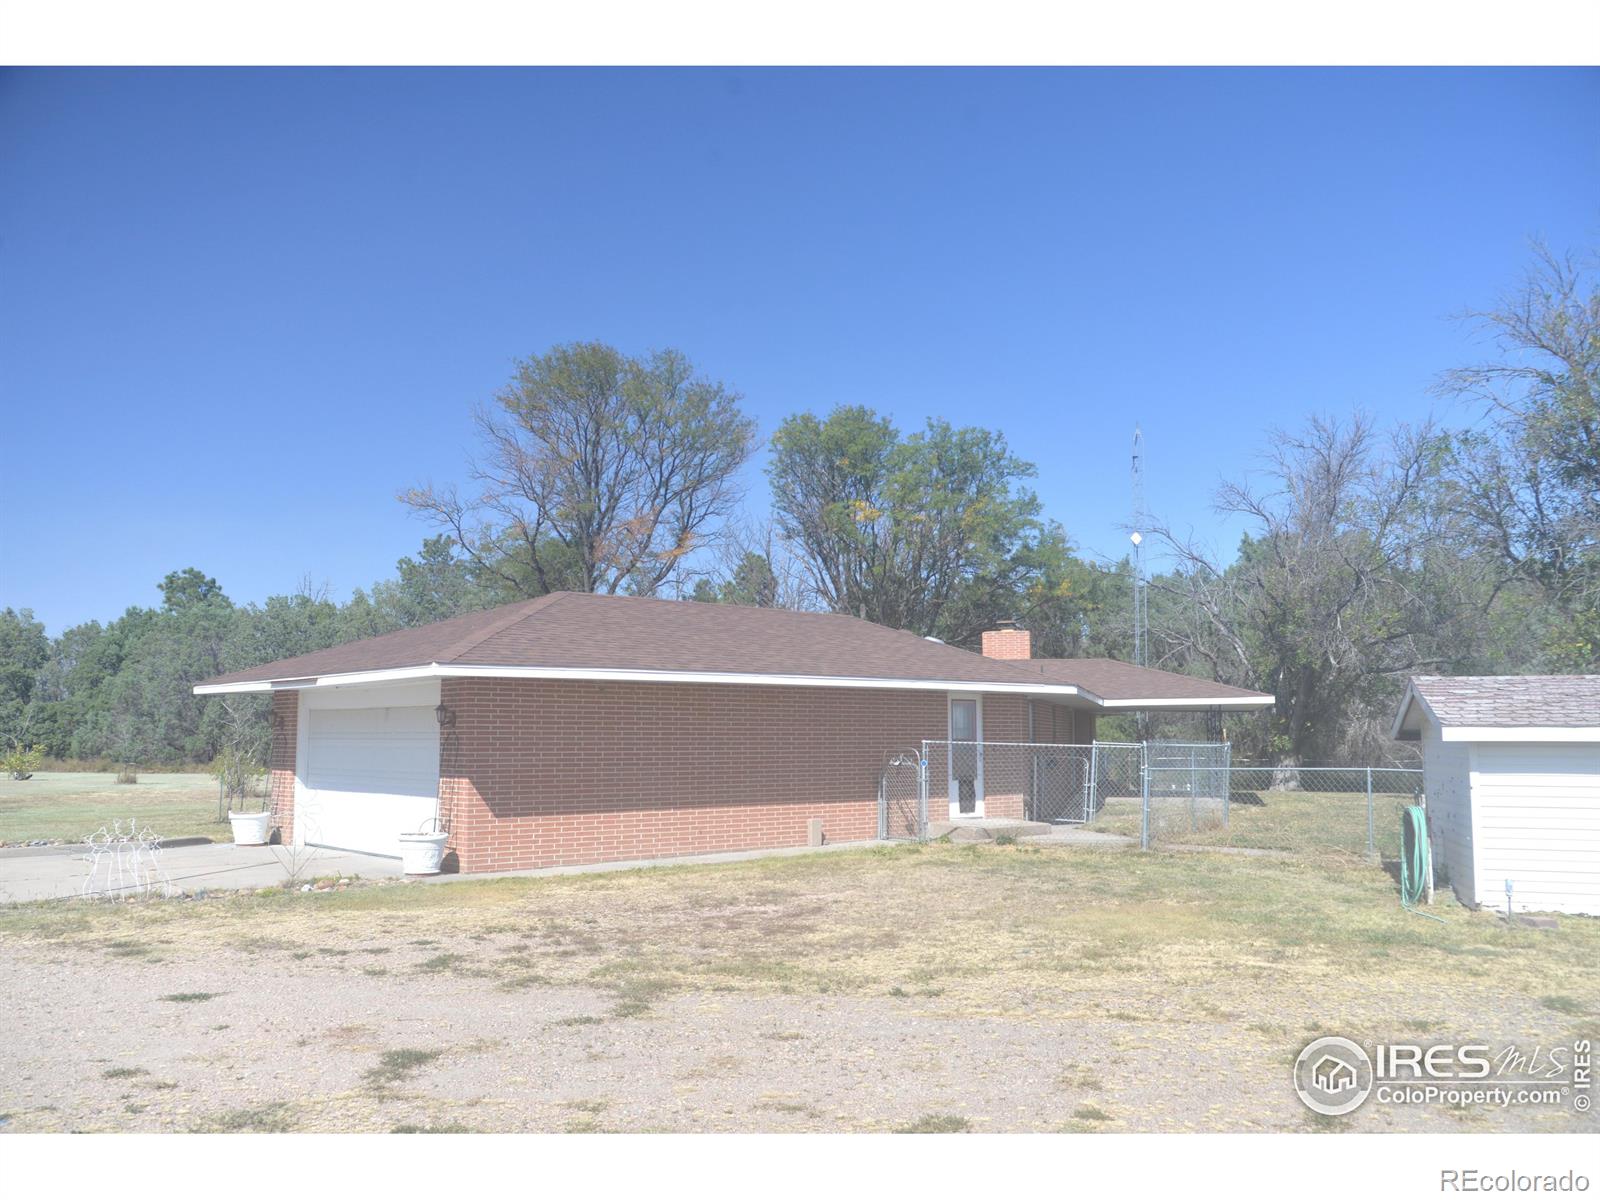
(1154, 941)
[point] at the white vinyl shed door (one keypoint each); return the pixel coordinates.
(1536, 822)
(371, 775)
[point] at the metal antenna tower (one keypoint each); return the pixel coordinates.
(1141, 635)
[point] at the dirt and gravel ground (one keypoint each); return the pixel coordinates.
(984, 988)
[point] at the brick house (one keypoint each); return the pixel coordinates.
(579, 728)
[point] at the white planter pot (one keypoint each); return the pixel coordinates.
(251, 828)
(422, 853)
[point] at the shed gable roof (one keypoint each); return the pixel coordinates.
(1460, 705)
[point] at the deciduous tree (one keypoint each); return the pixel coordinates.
(599, 472)
(919, 532)
(1528, 480)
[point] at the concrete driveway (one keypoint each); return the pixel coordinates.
(55, 872)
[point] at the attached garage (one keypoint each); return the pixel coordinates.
(370, 768)
(1512, 778)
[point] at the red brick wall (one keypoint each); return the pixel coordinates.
(548, 772)
(1005, 780)
(280, 762)
(1007, 643)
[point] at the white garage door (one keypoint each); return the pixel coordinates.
(1536, 822)
(371, 775)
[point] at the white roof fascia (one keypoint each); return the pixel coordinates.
(1196, 702)
(607, 675)
(1520, 733)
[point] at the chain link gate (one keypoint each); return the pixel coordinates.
(1185, 790)
(1060, 790)
(1116, 772)
(902, 798)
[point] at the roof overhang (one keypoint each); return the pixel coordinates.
(1194, 704)
(1031, 688)
(1415, 710)
(605, 675)
(1520, 733)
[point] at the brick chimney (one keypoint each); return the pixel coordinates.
(1009, 641)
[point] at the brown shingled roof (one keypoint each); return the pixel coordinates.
(582, 631)
(629, 633)
(1112, 680)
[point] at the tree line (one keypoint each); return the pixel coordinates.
(1372, 553)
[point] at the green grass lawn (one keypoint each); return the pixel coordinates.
(67, 806)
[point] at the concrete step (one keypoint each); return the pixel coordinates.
(986, 829)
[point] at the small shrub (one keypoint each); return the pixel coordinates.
(1005, 839)
(242, 780)
(21, 762)
(126, 774)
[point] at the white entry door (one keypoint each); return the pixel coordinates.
(966, 757)
(371, 774)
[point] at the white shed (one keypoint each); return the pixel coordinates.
(1512, 779)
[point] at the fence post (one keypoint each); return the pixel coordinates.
(1094, 794)
(1144, 796)
(1194, 786)
(1371, 848)
(922, 794)
(1030, 808)
(1227, 782)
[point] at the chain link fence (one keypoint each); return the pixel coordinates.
(1335, 812)
(1162, 794)
(1065, 783)
(1186, 790)
(1033, 781)
(1349, 812)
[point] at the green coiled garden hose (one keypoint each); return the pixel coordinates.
(1416, 860)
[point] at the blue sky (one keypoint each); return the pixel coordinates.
(240, 309)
